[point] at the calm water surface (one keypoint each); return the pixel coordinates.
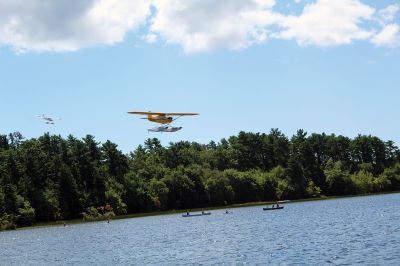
(351, 231)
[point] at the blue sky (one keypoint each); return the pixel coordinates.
(260, 72)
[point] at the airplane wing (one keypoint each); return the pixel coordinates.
(145, 113)
(159, 113)
(180, 114)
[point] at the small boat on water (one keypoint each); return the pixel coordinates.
(196, 214)
(272, 208)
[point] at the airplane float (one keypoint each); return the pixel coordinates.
(162, 118)
(48, 119)
(164, 129)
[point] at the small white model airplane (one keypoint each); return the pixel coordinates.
(48, 119)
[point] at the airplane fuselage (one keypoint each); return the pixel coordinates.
(162, 119)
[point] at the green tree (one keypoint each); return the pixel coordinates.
(218, 188)
(295, 175)
(392, 174)
(244, 184)
(159, 193)
(26, 214)
(181, 189)
(270, 182)
(337, 178)
(363, 182)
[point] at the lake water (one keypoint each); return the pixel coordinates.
(361, 230)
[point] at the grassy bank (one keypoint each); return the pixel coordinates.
(169, 212)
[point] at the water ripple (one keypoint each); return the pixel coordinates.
(352, 231)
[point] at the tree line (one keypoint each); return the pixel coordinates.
(53, 178)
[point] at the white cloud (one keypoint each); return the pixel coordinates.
(195, 25)
(328, 23)
(200, 25)
(59, 25)
(388, 37)
(389, 13)
(150, 38)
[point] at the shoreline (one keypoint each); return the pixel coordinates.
(169, 212)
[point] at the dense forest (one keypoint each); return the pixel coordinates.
(51, 178)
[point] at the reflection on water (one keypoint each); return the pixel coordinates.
(362, 230)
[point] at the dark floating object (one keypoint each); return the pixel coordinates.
(272, 208)
(196, 214)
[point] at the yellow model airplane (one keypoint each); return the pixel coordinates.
(162, 118)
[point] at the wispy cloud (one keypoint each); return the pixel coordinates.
(388, 37)
(388, 13)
